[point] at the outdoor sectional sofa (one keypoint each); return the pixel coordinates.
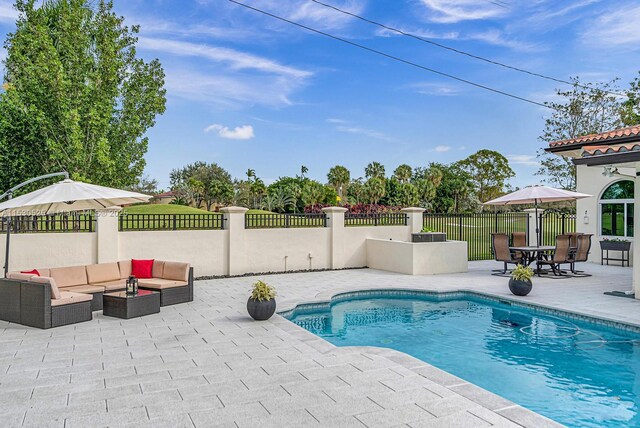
(68, 295)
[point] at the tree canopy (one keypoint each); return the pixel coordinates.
(584, 109)
(76, 96)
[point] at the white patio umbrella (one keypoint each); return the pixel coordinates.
(536, 195)
(65, 196)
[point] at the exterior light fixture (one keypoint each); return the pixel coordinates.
(585, 219)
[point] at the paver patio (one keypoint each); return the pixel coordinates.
(207, 363)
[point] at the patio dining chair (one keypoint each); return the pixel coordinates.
(500, 243)
(582, 252)
(561, 255)
(518, 239)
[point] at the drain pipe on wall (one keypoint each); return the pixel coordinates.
(285, 263)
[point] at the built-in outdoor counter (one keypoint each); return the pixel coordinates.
(423, 258)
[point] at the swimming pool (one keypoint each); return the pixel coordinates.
(575, 371)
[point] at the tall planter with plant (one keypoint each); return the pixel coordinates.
(520, 281)
(262, 303)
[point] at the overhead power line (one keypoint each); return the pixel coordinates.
(393, 57)
(458, 51)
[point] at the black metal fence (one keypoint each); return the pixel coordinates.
(130, 222)
(274, 221)
(375, 219)
(54, 223)
(476, 229)
(552, 224)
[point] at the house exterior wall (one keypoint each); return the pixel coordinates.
(591, 181)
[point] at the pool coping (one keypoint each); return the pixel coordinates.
(491, 401)
(537, 307)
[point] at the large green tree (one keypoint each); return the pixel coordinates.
(489, 171)
(201, 183)
(339, 177)
(76, 96)
(584, 109)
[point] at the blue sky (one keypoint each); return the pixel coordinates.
(247, 91)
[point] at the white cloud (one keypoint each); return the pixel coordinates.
(451, 11)
(236, 59)
(493, 37)
(437, 89)
(347, 127)
(528, 160)
(230, 89)
(442, 148)
(7, 12)
(244, 132)
(313, 14)
(618, 27)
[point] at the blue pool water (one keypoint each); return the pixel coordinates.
(577, 372)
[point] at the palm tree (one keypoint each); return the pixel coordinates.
(283, 199)
(375, 189)
(251, 173)
(303, 171)
(403, 173)
(374, 170)
(339, 177)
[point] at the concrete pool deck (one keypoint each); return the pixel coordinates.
(207, 363)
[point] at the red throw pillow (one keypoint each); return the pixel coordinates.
(142, 268)
(31, 272)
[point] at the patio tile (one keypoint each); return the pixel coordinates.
(207, 363)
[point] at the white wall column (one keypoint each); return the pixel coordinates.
(533, 214)
(234, 222)
(107, 234)
(636, 228)
(335, 223)
(415, 219)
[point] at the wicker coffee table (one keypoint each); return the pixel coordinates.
(123, 305)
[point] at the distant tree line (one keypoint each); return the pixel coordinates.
(457, 187)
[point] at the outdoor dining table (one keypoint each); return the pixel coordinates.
(534, 253)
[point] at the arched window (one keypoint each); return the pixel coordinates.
(616, 209)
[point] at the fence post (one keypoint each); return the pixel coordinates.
(415, 219)
(234, 223)
(107, 236)
(335, 220)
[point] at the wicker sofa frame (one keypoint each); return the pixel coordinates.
(175, 295)
(29, 304)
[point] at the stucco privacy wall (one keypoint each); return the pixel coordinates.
(355, 242)
(235, 250)
(204, 249)
(279, 250)
(33, 250)
(591, 181)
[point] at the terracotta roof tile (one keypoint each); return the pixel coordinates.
(165, 195)
(588, 151)
(605, 136)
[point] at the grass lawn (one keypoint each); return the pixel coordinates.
(164, 209)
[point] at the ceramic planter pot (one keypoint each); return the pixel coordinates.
(261, 311)
(520, 287)
(615, 245)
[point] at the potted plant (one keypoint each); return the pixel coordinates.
(262, 303)
(428, 235)
(615, 244)
(520, 281)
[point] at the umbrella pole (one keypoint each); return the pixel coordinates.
(6, 252)
(537, 225)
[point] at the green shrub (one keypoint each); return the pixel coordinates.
(428, 229)
(261, 291)
(522, 273)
